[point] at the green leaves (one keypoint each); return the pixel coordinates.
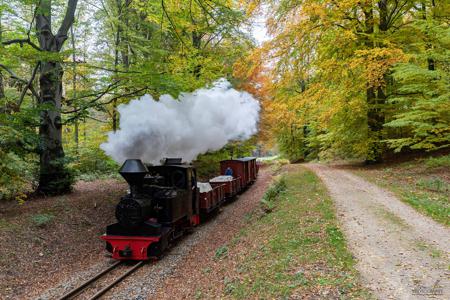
(358, 81)
(422, 99)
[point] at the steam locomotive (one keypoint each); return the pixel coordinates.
(166, 201)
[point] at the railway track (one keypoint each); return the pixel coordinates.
(79, 289)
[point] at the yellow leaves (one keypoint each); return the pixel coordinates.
(314, 10)
(377, 62)
(251, 6)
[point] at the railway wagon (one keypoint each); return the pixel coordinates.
(231, 185)
(244, 168)
(211, 197)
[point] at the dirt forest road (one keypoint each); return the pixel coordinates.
(400, 253)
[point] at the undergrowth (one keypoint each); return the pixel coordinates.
(438, 162)
(270, 197)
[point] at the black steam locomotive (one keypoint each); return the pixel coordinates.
(165, 201)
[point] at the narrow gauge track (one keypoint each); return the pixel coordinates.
(74, 292)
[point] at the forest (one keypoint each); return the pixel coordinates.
(336, 79)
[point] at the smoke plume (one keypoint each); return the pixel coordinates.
(205, 120)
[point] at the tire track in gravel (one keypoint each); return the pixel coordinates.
(400, 253)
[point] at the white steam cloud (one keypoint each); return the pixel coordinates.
(205, 120)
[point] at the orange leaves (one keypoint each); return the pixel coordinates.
(377, 62)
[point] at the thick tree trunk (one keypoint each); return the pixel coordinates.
(376, 97)
(2, 87)
(54, 177)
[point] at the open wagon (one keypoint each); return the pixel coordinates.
(232, 186)
(210, 197)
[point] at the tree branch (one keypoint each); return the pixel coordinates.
(21, 42)
(29, 86)
(171, 22)
(207, 12)
(98, 96)
(68, 20)
(134, 93)
(105, 69)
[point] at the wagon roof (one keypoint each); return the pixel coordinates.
(241, 159)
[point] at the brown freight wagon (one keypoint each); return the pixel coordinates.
(210, 196)
(245, 168)
(231, 185)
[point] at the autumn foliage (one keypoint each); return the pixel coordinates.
(354, 79)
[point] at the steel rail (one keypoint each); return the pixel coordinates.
(122, 277)
(89, 281)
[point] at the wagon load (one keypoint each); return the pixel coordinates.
(231, 185)
(222, 179)
(204, 187)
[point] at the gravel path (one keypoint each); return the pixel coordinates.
(401, 254)
(150, 278)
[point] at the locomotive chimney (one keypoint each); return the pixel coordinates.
(133, 171)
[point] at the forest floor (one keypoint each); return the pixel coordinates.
(190, 251)
(43, 240)
(401, 253)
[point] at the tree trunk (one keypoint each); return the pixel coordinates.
(54, 178)
(122, 13)
(430, 61)
(196, 43)
(376, 97)
(116, 60)
(74, 88)
(2, 88)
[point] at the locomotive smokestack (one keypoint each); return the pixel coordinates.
(133, 171)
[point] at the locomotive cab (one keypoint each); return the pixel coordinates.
(182, 200)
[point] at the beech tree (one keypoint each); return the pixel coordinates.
(54, 177)
(351, 78)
